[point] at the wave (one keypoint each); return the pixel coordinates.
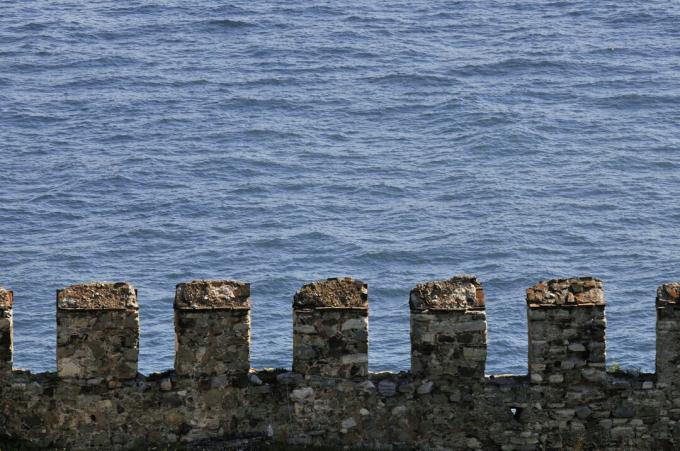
(229, 23)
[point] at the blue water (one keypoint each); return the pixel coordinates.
(397, 142)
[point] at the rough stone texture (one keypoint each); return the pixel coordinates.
(97, 332)
(97, 296)
(6, 299)
(668, 334)
(6, 331)
(335, 292)
(383, 411)
(330, 328)
(212, 328)
(462, 292)
(448, 329)
(566, 320)
(212, 294)
(668, 293)
(575, 291)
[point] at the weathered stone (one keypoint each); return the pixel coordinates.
(6, 331)
(97, 296)
(166, 384)
(330, 329)
(289, 378)
(387, 388)
(212, 328)
(425, 387)
(568, 402)
(576, 347)
(624, 412)
(448, 329)
(576, 291)
(302, 394)
(335, 292)
(459, 292)
(6, 299)
(583, 412)
(212, 295)
(569, 334)
(97, 331)
(366, 387)
(349, 423)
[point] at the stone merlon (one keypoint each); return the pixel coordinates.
(6, 299)
(98, 296)
(462, 292)
(574, 291)
(212, 295)
(332, 293)
(668, 294)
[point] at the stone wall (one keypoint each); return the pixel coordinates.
(6, 331)
(448, 329)
(96, 399)
(212, 328)
(97, 332)
(330, 329)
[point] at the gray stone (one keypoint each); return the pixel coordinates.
(387, 387)
(425, 387)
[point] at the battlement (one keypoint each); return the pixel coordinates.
(97, 398)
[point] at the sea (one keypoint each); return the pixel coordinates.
(280, 142)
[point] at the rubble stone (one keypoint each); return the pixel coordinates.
(97, 331)
(567, 401)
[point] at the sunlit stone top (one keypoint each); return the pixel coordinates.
(668, 294)
(574, 291)
(461, 292)
(6, 299)
(98, 296)
(212, 295)
(336, 292)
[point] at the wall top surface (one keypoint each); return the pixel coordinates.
(5, 299)
(332, 293)
(668, 294)
(566, 292)
(212, 295)
(462, 292)
(98, 296)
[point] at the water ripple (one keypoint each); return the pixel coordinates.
(277, 142)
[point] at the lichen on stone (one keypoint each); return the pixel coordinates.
(335, 292)
(97, 296)
(668, 293)
(5, 299)
(460, 292)
(573, 291)
(212, 294)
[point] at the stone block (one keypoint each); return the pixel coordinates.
(212, 328)
(97, 331)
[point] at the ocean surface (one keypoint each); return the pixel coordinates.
(280, 142)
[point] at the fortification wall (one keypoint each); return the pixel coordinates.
(97, 399)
